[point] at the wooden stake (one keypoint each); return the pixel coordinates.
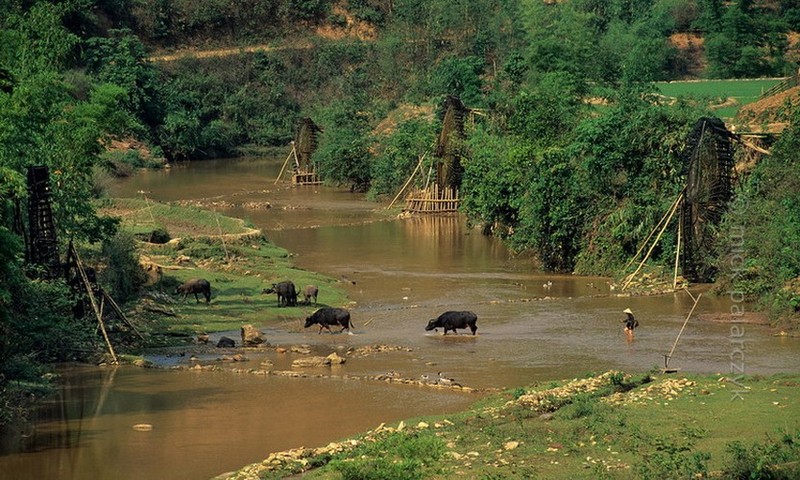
(655, 242)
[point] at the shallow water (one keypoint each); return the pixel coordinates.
(399, 273)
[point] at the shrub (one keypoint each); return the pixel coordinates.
(123, 275)
(773, 459)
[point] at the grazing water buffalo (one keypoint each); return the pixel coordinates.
(287, 294)
(453, 320)
(195, 285)
(328, 316)
(309, 292)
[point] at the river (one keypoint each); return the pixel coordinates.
(401, 273)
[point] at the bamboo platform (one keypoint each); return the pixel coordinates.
(305, 178)
(433, 200)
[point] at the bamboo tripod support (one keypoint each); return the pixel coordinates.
(416, 169)
(286, 162)
(672, 210)
(93, 301)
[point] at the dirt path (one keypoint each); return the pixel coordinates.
(219, 52)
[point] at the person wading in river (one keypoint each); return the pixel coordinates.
(630, 322)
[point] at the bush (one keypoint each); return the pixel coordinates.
(124, 274)
(773, 459)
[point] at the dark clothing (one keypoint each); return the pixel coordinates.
(630, 322)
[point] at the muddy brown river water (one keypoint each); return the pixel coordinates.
(405, 271)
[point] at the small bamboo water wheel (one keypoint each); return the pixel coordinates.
(441, 194)
(304, 170)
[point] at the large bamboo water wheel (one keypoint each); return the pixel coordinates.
(709, 189)
(441, 194)
(709, 169)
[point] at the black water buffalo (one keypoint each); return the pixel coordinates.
(195, 285)
(309, 292)
(453, 320)
(287, 293)
(328, 316)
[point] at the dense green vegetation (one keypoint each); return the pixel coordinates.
(568, 151)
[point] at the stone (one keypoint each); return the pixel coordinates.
(311, 362)
(251, 336)
(226, 342)
(335, 359)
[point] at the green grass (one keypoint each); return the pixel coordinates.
(239, 266)
(705, 429)
(715, 92)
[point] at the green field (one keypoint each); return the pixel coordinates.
(716, 92)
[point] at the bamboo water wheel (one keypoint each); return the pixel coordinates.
(709, 190)
(305, 143)
(42, 243)
(441, 194)
(709, 170)
(304, 171)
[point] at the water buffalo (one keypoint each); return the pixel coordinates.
(287, 293)
(195, 286)
(453, 320)
(309, 292)
(328, 316)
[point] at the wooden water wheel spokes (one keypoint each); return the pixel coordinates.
(709, 175)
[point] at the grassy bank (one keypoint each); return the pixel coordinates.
(239, 262)
(603, 426)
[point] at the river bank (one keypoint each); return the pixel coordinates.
(609, 425)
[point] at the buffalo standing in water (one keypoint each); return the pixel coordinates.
(328, 316)
(453, 320)
(195, 286)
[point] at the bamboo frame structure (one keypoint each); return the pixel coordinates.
(433, 200)
(655, 242)
(101, 325)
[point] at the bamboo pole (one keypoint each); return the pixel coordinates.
(669, 356)
(222, 238)
(677, 253)
(277, 179)
(419, 164)
(121, 315)
(655, 242)
(633, 259)
(92, 300)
